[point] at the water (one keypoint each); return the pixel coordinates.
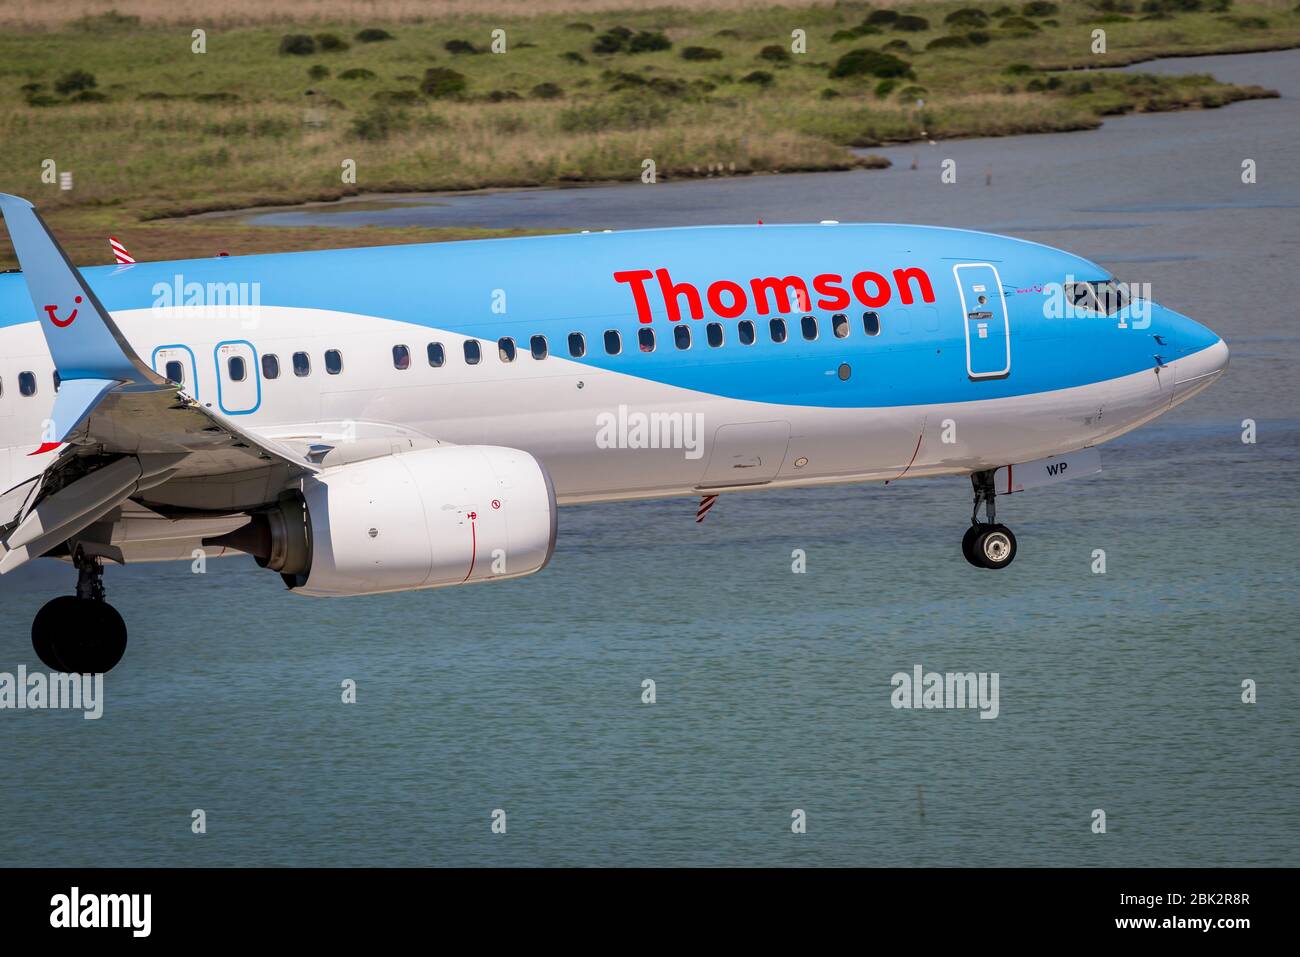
(1118, 691)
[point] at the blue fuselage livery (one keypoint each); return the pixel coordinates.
(384, 419)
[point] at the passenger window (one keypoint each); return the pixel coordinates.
(871, 323)
(840, 325)
(778, 330)
(682, 337)
(473, 352)
(301, 365)
(746, 330)
(437, 354)
(271, 366)
(809, 326)
(26, 384)
(714, 331)
(175, 372)
(506, 349)
(537, 345)
(645, 336)
(401, 358)
(577, 345)
(613, 342)
(333, 361)
(238, 372)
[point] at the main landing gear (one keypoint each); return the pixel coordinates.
(987, 544)
(80, 633)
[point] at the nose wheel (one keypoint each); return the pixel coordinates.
(987, 544)
(80, 633)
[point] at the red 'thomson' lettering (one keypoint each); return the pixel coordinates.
(727, 298)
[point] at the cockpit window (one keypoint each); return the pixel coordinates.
(1106, 298)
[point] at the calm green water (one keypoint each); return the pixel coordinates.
(1118, 691)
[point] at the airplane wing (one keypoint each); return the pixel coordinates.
(118, 428)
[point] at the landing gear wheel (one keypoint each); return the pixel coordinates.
(994, 546)
(968, 544)
(79, 635)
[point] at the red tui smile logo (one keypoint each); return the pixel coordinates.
(61, 323)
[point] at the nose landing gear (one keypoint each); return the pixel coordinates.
(987, 544)
(82, 633)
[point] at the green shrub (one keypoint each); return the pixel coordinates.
(957, 41)
(900, 45)
(911, 24)
(74, 81)
(441, 82)
(627, 113)
(967, 17)
(396, 97)
(775, 53)
(1019, 25)
(648, 41)
(94, 96)
(318, 72)
(701, 53)
(868, 63)
(1041, 8)
(580, 27)
(357, 73)
(573, 56)
(1018, 69)
(460, 46)
(373, 35)
(547, 91)
(297, 44)
(877, 17)
(379, 123)
(331, 43)
(759, 78)
(885, 87)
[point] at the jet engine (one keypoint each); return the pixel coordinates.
(424, 519)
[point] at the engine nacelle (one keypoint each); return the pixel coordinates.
(424, 519)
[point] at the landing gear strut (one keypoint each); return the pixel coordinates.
(81, 633)
(987, 544)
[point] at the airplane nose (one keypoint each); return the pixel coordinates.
(1194, 372)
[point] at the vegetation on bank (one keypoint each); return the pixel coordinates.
(273, 114)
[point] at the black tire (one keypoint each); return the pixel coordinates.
(78, 635)
(968, 544)
(995, 546)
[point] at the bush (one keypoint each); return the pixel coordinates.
(759, 78)
(878, 17)
(900, 45)
(957, 41)
(885, 87)
(373, 35)
(608, 43)
(73, 81)
(297, 44)
(912, 24)
(573, 56)
(318, 72)
(357, 73)
(869, 63)
(701, 53)
(580, 27)
(501, 96)
(967, 17)
(647, 41)
(978, 38)
(460, 46)
(630, 113)
(775, 53)
(94, 96)
(1041, 8)
(1019, 25)
(331, 43)
(547, 91)
(829, 93)
(441, 82)
(1018, 69)
(378, 123)
(839, 36)
(216, 98)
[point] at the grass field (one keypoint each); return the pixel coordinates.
(151, 129)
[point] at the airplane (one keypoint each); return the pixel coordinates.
(396, 418)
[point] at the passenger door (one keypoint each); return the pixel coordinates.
(176, 363)
(984, 314)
